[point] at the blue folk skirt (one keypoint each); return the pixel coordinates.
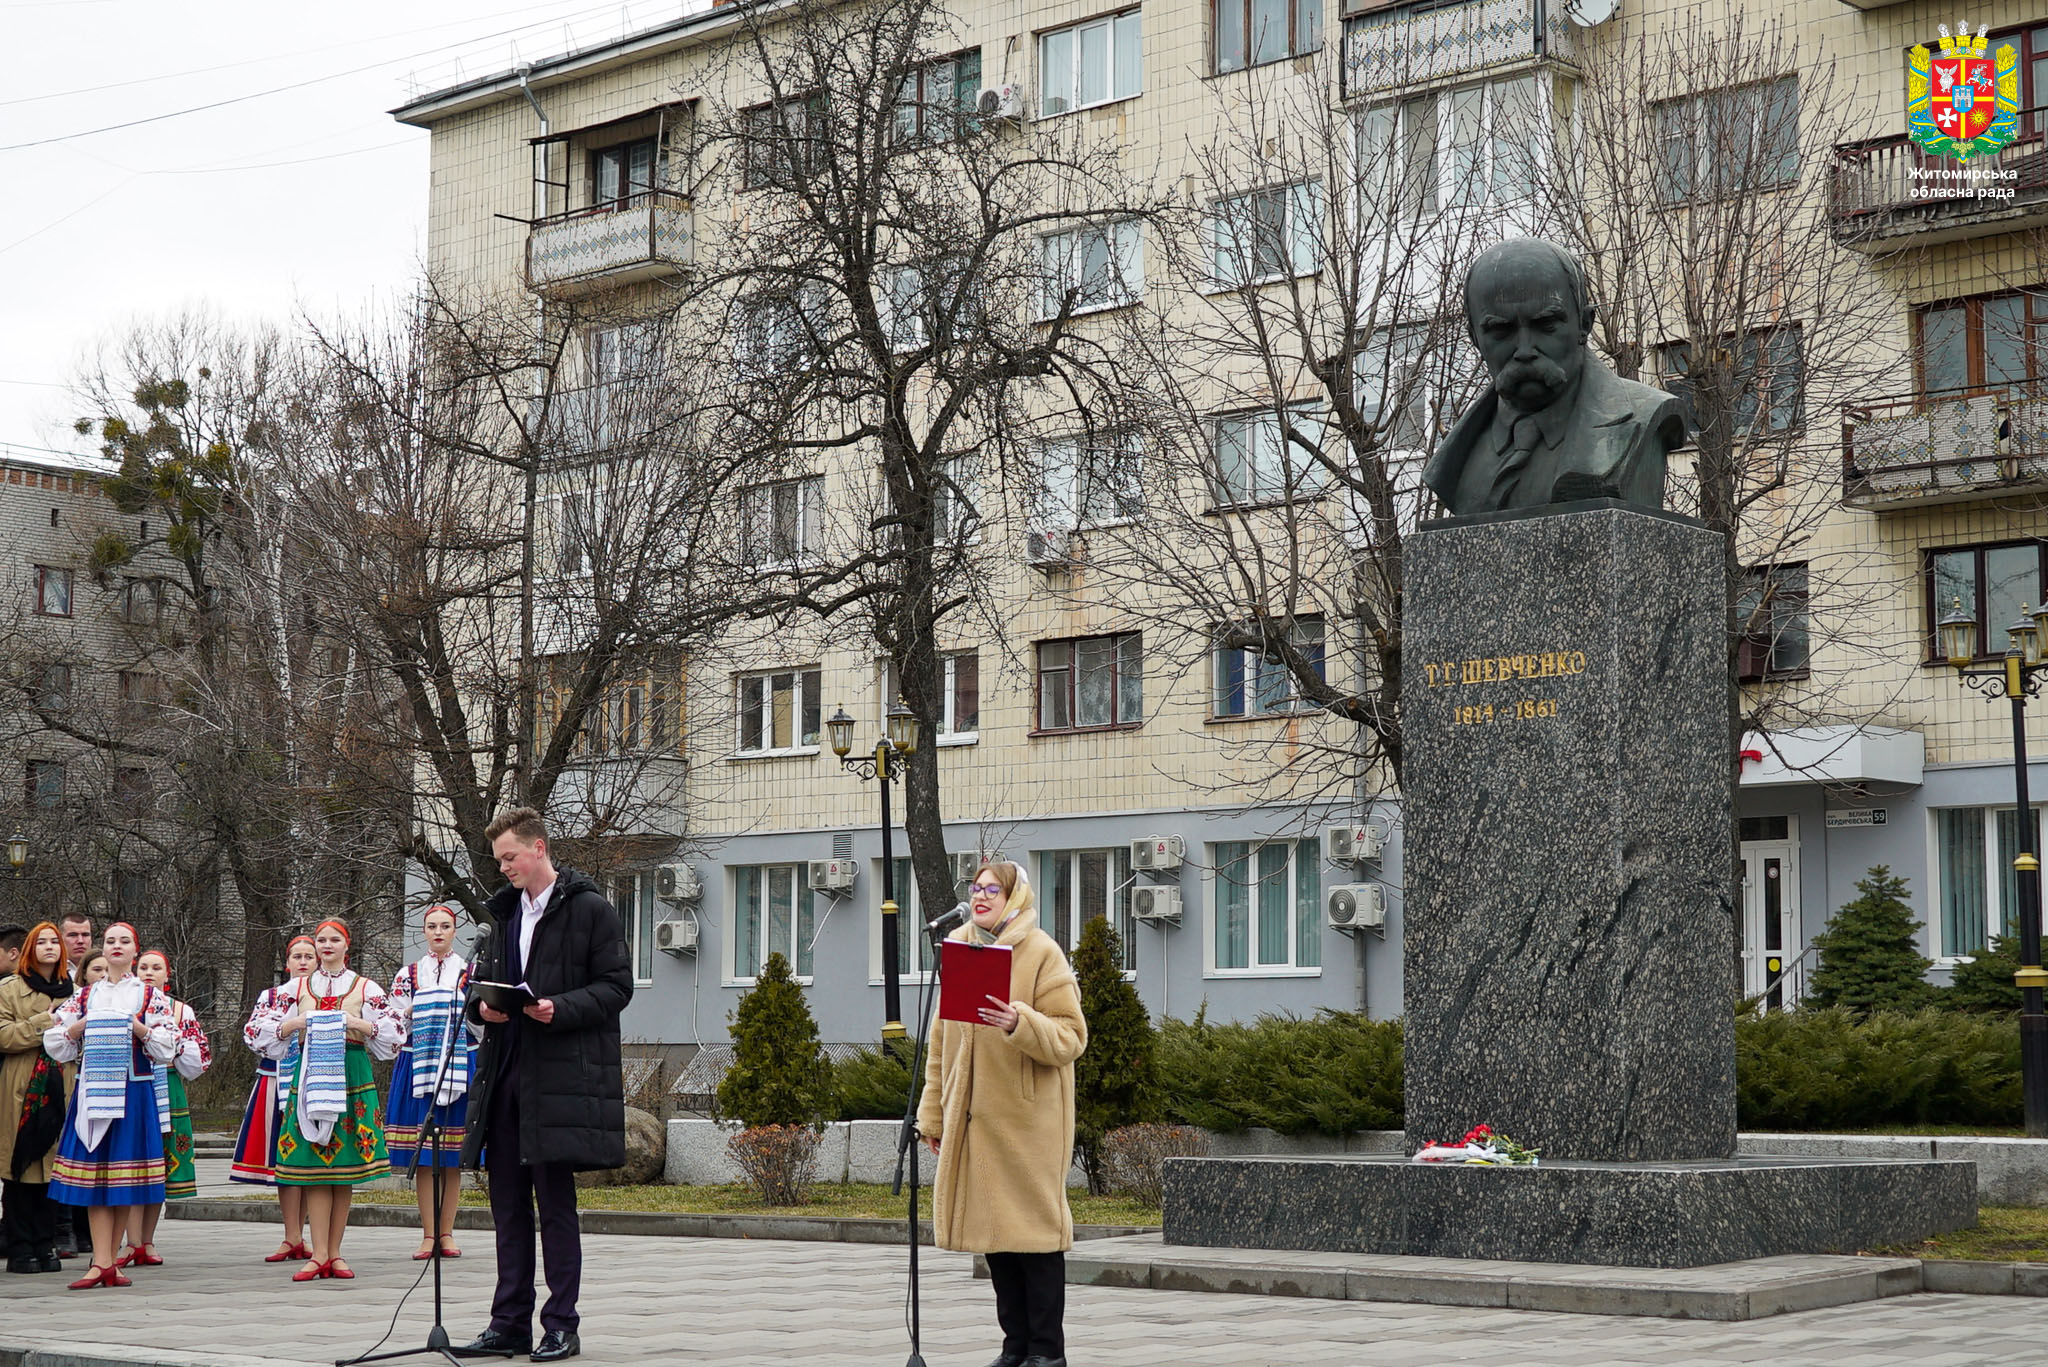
(405, 1115)
(126, 1168)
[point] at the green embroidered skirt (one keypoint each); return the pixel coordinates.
(353, 1153)
(180, 1181)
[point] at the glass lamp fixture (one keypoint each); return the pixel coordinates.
(902, 729)
(2026, 638)
(840, 728)
(1958, 636)
(17, 851)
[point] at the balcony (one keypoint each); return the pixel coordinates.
(1948, 447)
(642, 238)
(598, 418)
(1885, 194)
(1411, 46)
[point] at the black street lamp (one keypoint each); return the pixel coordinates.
(2017, 677)
(899, 742)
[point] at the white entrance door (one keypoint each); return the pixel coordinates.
(1770, 909)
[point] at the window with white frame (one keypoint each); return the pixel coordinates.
(957, 500)
(142, 602)
(783, 522)
(1251, 32)
(1261, 459)
(573, 546)
(1091, 682)
(1249, 683)
(624, 173)
(937, 101)
(1474, 146)
(53, 591)
(781, 331)
(1266, 235)
(782, 142)
(771, 914)
(910, 937)
(1076, 886)
(1389, 386)
(1729, 141)
(1090, 268)
(1268, 905)
(960, 691)
(633, 895)
(779, 712)
(1091, 481)
(1090, 63)
(1979, 889)
(929, 300)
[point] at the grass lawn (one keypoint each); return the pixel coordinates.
(2002, 1234)
(829, 1198)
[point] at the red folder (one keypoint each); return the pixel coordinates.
(968, 976)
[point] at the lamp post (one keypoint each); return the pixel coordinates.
(898, 743)
(2017, 677)
(17, 853)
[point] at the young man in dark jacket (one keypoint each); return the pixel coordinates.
(548, 1100)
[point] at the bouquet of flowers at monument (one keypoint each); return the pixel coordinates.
(1481, 1146)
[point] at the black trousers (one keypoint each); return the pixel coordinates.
(1031, 1302)
(516, 1189)
(28, 1218)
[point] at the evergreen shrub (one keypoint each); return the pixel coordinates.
(1116, 1077)
(874, 1084)
(1332, 1073)
(1831, 1070)
(1985, 983)
(1869, 955)
(778, 1075)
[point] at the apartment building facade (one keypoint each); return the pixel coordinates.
(1122, 768)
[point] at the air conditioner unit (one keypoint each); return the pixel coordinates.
(1357, 906)
(1161, 905)
(677, 883)
(831, 875)
(1158, 853)
(965, 862)
(1048, 549)
(1350, 844)
(1005, 101)
(677, 936)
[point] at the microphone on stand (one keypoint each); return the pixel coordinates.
(946, 922)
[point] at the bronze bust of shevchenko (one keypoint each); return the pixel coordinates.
(1556, 424)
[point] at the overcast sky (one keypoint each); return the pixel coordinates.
(308, 196)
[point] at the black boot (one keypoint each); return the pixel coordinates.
(23, 1265)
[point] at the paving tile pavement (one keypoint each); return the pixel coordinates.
(759, 1302)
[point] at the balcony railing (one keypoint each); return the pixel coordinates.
(1404, 48)
(1946, 447)
(649, 235)
(1885, 189)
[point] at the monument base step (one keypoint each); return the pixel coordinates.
(1731, 1291)
(1666, 1215)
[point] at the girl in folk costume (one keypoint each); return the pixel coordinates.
(111, 1156)
(32, 1096)
(428, 995)
(330, 1138)
(194, 1056)
(256, 1144)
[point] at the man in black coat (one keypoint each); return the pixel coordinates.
(548, 1099)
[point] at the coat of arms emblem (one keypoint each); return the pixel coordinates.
(1963, 103)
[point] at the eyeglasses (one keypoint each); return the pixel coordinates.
(992, 889)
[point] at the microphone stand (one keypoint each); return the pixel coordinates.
(906, 1140)
(430, 1136)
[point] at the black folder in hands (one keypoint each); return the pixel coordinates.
(505, 997)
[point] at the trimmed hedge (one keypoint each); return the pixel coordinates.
(1332, 1073)
(1829, 1070)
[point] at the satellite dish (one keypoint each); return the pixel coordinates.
(1587, 13)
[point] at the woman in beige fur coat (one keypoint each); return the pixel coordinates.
(998, 1110)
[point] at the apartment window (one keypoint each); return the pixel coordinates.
(131, 895)
(933, 300)
(633, 895)
(1266, 235)
(1269, 905)
(1250, 684)
(1994, 339)
(960, 694)
(142, 602)
(1729, 141)
(133, 792)
(1979, 892)
(45, 786)
(1249, 32)
(1475, 146)
(138, 690)
(771, 914)
(782, 142)
(957, 499)
(572, 534)
(1762, 382)
(910, 937)
(53, 689)
(1093, 267)
(1090, 64)
(1261, 458)
(53, 591)
(1091, 682)
(937, 101)
(785, 331)
(783, 522)
(1772, 619)
(639, 712)
(1994, 583)
(1090, 481)
(622, 174)
(779, 712)
(1080, 885)
(1391, 389)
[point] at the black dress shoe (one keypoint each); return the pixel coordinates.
(557, 1344)
(23, 1265)
(49, 1262)
(1009, 1360)
(493, 1344)
(1043, 1362)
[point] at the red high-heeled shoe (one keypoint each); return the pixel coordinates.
(137, 1258)
(95, 1275)
(340, 1274)
(114, 1278)
(285, 1254)
(314, 1271)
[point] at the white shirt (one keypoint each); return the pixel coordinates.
(530, 909)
